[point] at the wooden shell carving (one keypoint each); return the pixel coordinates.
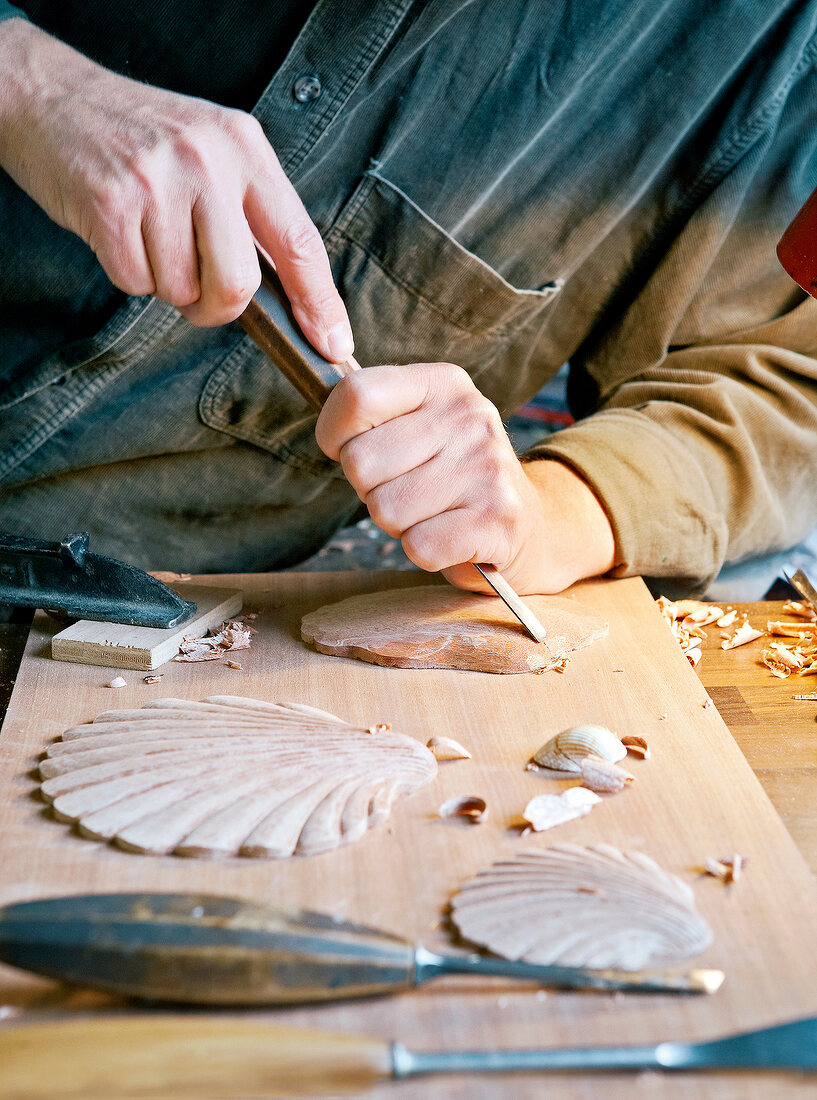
(591, 906)
(229, 776)
(436, 626)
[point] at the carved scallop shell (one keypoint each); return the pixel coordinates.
(229, 776)
(567, 749)
(591, 906)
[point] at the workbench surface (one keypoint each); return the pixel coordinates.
(400, 877)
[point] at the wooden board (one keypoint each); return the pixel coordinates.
(116, 645)
(695, 796)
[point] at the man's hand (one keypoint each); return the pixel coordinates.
(428, 455)
(169, 191)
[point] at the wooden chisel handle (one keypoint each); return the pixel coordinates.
(269, 320)
(98, 1058)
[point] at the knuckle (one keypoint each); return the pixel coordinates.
(422, 550)
(352, 390)
(381, 509)
(357, 465)
(301, 243)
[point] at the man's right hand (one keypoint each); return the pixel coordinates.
(170, 192)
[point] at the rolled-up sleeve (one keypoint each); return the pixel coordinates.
(703, 443)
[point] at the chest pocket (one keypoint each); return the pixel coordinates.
(414, 295)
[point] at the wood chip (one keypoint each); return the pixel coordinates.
(600, 775)
(636, 746)
(118, 682)
(727, 870)
(437, 626)
(446, 748)
(548, 810)
(591, 906)
(153, 679)
(229, 776)
(469, 807)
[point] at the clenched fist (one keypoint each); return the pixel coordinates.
(428, 455)
(170, 192)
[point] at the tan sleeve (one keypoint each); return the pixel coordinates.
(703, 445)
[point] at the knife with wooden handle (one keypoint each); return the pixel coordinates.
(98, 1058)
(269, 320)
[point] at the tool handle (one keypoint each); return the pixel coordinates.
(179, 1056)
(203, 949)
(269, 320)
(797, 250)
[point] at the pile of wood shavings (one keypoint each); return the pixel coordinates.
(798, 655)
(687, 619)
(232, 634)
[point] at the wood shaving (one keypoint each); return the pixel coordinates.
(118, 682)
(469, 807)
(636, 746)
(600, 775)
(380, 727)
(228, 776)
(446, 748)
(152, 679)
(234, 664)
(727, 619)
(232, 634)
(801, 609)
(548, 810)
(593, 906)
(744, 633)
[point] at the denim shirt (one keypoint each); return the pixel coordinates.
(504, 186)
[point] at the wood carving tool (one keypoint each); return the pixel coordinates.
(203, 949)
(803, 586)
(183, 1056)
(269, 320)
(65, 576)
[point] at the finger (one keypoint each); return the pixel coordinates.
(170, 245)
(124, 258)
(386, 452)
(365, 399)
(283, 228)
(444, 541)
(228, 262)
(414, 497)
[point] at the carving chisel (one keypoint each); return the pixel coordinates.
(201, 949)
(269, 320)
(101, 1057)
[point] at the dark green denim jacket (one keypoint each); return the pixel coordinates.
(504, 186)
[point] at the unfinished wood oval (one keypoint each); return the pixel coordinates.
(229, 776)
(434, 626)
(591, 906)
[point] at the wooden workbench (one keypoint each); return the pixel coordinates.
(400, 877)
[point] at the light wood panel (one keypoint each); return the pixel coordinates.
(695, 796)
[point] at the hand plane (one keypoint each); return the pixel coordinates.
(65, 576)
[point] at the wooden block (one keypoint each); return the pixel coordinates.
(144, 647)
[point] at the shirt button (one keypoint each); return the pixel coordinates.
(307, 88)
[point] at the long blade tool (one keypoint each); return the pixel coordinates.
(220, 951)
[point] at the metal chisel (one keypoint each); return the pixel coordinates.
(203, 949)
(269, 320)
(98, 1058)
